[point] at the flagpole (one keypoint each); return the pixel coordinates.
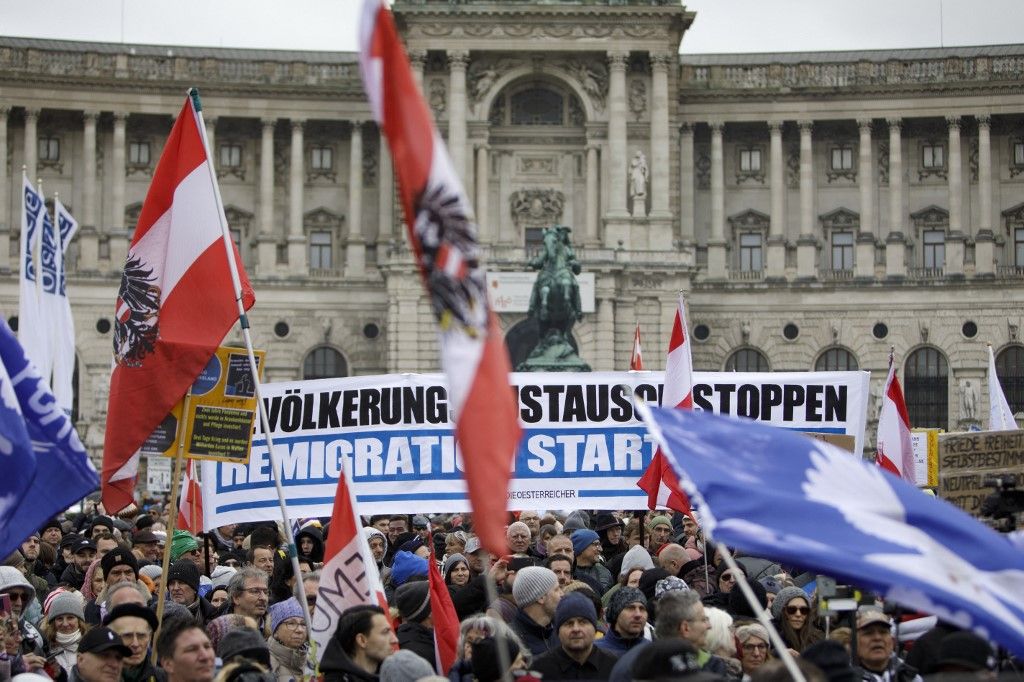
(243, 319)
(492, 597)
(741, 578)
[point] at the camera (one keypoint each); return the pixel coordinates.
(1001, 508)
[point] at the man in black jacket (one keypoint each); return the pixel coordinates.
(416, 633)
(361, 642)
(576, 658)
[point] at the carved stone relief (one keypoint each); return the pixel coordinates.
(536, 207)
(537, 165)
(972, 160)
(370, 166)
(592, 76)
(437, 97)
(793, 169)
(638, 97)
(883, 164)
(703, 168)
(484, 72)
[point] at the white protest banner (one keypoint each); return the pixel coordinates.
(583, 446)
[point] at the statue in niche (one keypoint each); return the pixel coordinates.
(968, 401)
(555, 306)
(638, 175)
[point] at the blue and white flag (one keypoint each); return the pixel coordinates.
(782, 496)
(32, 331)
(45, 468)
(63, 322)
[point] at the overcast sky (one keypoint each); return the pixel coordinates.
(721, 25)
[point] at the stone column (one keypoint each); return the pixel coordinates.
(385, 195)
(5, 204)
(592, 235)
(483, 185)
(687, 231)
(617, 135)
(211, 140)
(895, 242)
(807, 242)
(88, 238)
(955, 238)
(119, 236)
(776, 260)
(716, 240)
(297, 256)
(604, 359)
(506, 228)
(864, 263)
(31, 144)
(417, 60)
(659, 136)
(355, 251)
(984, 241)
(266, 244)
(457, 62)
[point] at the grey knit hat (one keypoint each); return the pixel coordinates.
(786, 595)
(622, 598)
(403, 666)
(636, 557)
(532, 583)
(65, 603)
(413, 601)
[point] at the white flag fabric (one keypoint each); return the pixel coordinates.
(32, 329)
(1000, 416)
(63, 323)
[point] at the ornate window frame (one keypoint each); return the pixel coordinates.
(228, 169)
(933, 170)
(143, 167)
(52, 162)
(840, 220)
(744, 224)
(1016, 155)
(930, 219)
(845, 172)
(750, 150)
(323, 220)
(329, 172)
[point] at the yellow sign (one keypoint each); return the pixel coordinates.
(925, 443)
(221, 411)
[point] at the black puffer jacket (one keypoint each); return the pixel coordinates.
(336, 666)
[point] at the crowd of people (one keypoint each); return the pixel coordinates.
(578, 596)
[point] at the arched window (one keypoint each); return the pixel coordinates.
(1010, 370)
(836, 360)
(536, 104)
(926, 389)
(747, 360)
(324, 363)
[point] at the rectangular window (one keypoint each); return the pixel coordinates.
(933, 156)
(1018, 153)
(1018, 246)
(230, 156)
(138, 153)
(49, 149)
(842, 158)
(842, 250)
(750, 160)
(320, 250)
(321, 158)
(934, 248)
(750, 253)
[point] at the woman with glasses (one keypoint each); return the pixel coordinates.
(794, 619)
(288, 648)
(753, 648)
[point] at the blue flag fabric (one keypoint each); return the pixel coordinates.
(45, 468)
(780, 495)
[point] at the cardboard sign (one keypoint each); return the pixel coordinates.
(926, 456)
(967, 459)
(840, 440)
(158, 474)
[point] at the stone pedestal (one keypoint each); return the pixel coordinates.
(297, 255)
(895, 256)
(88, 249)
(955, 248)
(864, 261)
(807, 257)
(355, 257)
(266, 253)
(984, 254)
(717, 255)
(775, 262)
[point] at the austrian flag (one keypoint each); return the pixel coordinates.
(175, 304)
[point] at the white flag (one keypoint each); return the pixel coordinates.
(63, 323)
(32, 330)
(1000, 417)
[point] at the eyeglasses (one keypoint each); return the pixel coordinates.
(257, 591)
(793, 610)
(18, 596)
(295, 624)
(755, 647)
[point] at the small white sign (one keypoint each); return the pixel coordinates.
(158, 474)
(509, 292)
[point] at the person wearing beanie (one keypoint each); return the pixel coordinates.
(794, 619)
(22, 595)
(738, 606)
(405, 567)
(288, 640)
(184, 543)
(576, 657)
(659, 532)
(636, 558)
(486, 660)
(183, 586)
(586, 546)
(378, 542)
(51, 532)
(575, 521)
(536, 593)
(64, 627)
(456, 572)
(244, 642)
(416, 633)
(119, 565)
(100, 525)
(626, 616)
(404, 666)
(135, 624)
(753, 646)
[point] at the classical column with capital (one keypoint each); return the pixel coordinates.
(807, 242)
(31, 143)
(617, 135)
(458, 60)
(88, 237)
(660, 136)
(604, 347)
(5, 183)
(984, 240)
(592, 233)
(895, 242)
(211, 141)
(266, 244)
(483, 186)
(418, 60)
(776, 261)
(716, 240)
(355, 252)
(955, 239)
(385, 195)
(864, 263)
(297, 256)
(119, 236)
(687, 231)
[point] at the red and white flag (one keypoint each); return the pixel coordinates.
(349, 575)
(895, 453)
(659, 481)
(636, 360)
(443, 234)
(446, 620)
(175, 304)
(190, 506)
